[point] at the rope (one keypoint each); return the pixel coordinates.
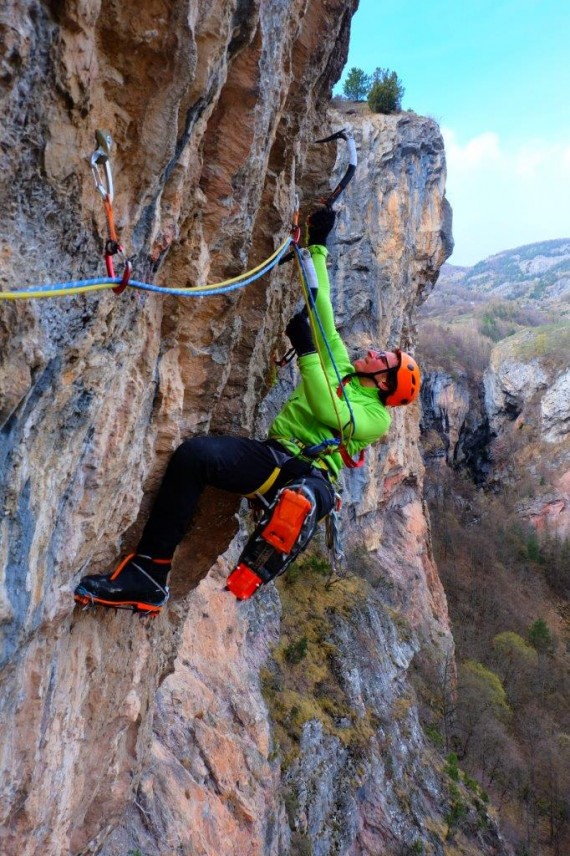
(221, 287)
(83, 286)
(80, 286)
(314, 316)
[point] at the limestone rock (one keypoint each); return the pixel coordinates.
(511, 380)
(555, 409)
(331, 797)
(212, 108)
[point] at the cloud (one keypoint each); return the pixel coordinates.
(503, 195)
(482, 149)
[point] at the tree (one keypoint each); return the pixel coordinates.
(540, 637)
(516, 663)
(386, 92)
(356, 85)
(482, 701)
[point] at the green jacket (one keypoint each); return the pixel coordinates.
(309, 416)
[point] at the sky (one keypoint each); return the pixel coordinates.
(496, 77)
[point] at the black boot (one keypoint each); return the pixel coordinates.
(138, 583)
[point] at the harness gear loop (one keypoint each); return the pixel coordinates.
(267, 484)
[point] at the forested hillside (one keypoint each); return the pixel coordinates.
(495, 340)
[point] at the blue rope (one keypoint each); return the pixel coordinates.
(313, 309)
(160, 289)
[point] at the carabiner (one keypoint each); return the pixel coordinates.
(101, 158)
(118, 289)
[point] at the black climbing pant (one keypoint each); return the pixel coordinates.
(235, 464)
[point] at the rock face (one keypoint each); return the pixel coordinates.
(512, 423)
(526, 393)
(455, 424)
(212, 107)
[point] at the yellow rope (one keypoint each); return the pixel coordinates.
(314, 331)
(21, 295)
(241, 275)
(81, 289)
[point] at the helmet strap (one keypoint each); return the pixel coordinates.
(382, 393)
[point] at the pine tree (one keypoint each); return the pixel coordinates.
(356, 85)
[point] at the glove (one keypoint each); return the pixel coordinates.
(319, 225)
(299, 332)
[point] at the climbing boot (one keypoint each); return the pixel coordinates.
(138, 583)
(285, 529)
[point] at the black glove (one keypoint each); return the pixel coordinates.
(299, 332)
(319, 225)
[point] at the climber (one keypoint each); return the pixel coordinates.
(292, 472)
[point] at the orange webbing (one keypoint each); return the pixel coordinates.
(120, 567)
(108, 205)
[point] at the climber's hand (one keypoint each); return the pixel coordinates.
(299, 332)
(319, 225)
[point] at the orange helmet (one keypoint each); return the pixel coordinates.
(407, 380)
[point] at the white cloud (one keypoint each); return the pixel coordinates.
(504, 196)
(475, 153)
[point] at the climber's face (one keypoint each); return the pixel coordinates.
(377, 364)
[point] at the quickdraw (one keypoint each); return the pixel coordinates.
(103, 177)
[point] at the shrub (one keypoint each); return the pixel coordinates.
(540, 636)
(386, 92)
(452, 768)
(296, 651)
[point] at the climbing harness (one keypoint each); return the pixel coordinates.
(286, 526)
(103, 177)
(350, 170)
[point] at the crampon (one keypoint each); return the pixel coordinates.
(284, 530)
(87, 601)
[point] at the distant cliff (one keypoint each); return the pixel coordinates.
(495, 348)
(496, 391)
(199, 733)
